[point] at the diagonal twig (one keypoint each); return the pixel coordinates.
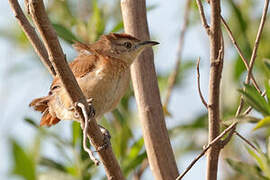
(172, 78)
(239, 51)
(202, 16)
(254, 51)
(32, 36)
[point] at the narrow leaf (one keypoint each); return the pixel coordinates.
(24, 164)
(254, 99)
(64, 33)
(76, 133)
(263, 123)
(52, 164)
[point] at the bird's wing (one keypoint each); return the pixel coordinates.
(80, 67)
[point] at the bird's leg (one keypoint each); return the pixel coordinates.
(87, 118)
(106, 140)
(91, 113)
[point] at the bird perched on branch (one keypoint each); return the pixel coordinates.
(102, 72)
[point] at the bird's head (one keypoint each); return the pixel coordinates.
(121, 46)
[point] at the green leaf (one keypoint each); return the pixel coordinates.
(262, 160)
(249, 171)
(76, 133)
(24, 164)
(31, 122)
(135, 149)
(64, 33)
(96, 23)
(118, 27)
(136, 162)
(263, 123)
(254, 99)
(267, 88)
(241, 119)
(267, 63)
(239, 68)
(52, 164)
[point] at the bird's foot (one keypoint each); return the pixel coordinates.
(106, 139)
(91, 109)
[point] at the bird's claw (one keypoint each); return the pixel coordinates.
(106, 139)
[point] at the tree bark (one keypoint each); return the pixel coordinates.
(156, 138)
(216, 62)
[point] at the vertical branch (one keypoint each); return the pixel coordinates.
(157, 142)
(216, 61)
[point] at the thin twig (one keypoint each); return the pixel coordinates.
(254, 51)
(32, 36)
(252, 60)
(257, 41)
(198, 83)
(216, 140)
(173, 76)
(246, 141)
(239, 52)
(202, 15)
(228, 129)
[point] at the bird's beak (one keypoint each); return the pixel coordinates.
(147, 44)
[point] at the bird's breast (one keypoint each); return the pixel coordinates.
(106, 87)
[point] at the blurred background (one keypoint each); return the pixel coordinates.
(30, 152)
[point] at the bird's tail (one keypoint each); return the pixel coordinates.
(41, 104)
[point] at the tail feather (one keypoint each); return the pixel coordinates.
(41, 104)
(48, 119)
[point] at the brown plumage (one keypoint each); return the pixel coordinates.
(102, 72)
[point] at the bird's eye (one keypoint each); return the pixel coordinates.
(127, 45)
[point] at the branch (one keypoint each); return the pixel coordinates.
(246, 141)
(239, 52)
(254, 51)
(211, 144)
(202, 15)
(257, 41)
(32, 36)
(57, 59)
(217, 140)
(156, 138)
(198, 84)
(174, 74)
(216, 61)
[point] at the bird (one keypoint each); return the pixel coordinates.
(102, 70)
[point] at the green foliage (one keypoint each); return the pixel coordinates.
(65, 34)
(249, 171)
(23, 161)
(254, 99)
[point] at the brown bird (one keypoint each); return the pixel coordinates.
(102, 72)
